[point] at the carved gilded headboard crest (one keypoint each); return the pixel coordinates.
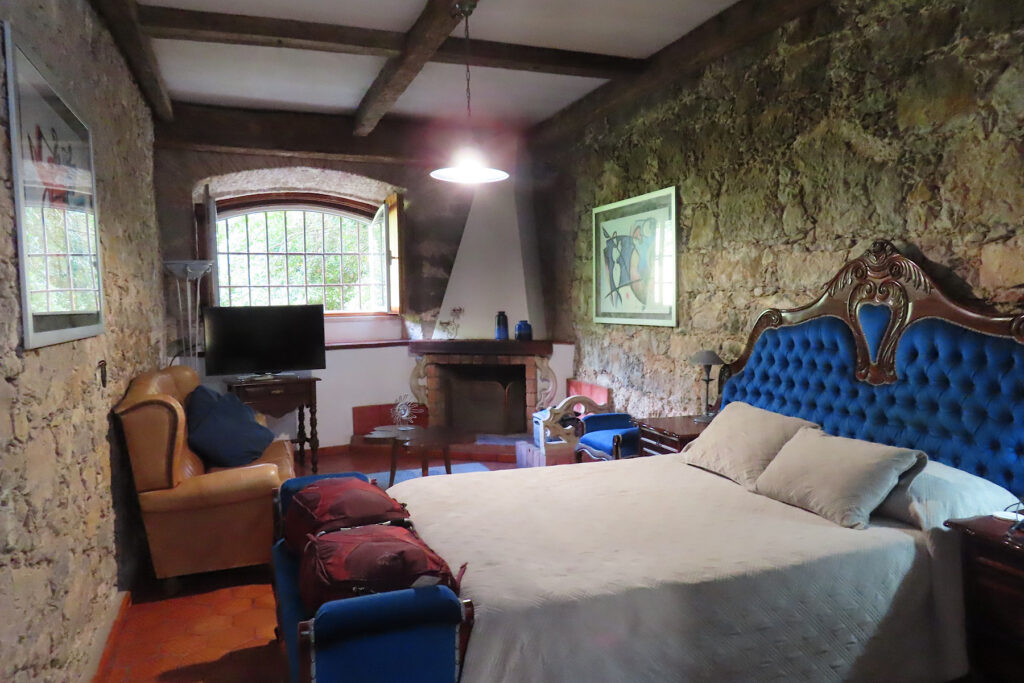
(878, 295)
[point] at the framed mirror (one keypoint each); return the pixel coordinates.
(55, 202)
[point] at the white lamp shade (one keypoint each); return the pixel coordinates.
(469, 168)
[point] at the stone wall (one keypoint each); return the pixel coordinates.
(897, 119)
(69, 531)
(435, 213)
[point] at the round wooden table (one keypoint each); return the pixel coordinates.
(421, 440)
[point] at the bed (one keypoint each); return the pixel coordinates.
(650, 569)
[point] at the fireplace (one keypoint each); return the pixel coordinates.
(485, 399)
(482, 386)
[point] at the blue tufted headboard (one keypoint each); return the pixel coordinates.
(884, 356)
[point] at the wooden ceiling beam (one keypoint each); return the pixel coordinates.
(295, 134)
(735, 27)
(234, 29)
(213, 27)
(431, 29)
(121, 18)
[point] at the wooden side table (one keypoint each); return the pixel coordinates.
(278, 397)
(420, 439)
(993, 561)
(661, 435)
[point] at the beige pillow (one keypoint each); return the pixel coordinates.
(741, 441)
(840, 479)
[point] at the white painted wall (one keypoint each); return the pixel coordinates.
(496, 268)
(359, 377)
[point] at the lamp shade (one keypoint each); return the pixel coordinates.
(469, 168)
(706, 357)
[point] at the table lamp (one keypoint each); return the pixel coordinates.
(707, 358)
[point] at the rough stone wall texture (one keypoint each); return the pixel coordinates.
(435, 216)
(69, 536)
(897, 119)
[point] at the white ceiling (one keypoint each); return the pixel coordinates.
(300, 80)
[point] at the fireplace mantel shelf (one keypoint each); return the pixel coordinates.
(480, 347)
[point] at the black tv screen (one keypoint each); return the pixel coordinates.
(244, 339)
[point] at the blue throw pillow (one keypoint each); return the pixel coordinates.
(222, 430)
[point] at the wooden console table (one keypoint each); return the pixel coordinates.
(278, 397)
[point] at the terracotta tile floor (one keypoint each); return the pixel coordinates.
(218, 627)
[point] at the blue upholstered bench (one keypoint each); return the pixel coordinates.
(609, 436)
(407, 635)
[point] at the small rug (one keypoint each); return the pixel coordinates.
(402, 475)
(502, 439)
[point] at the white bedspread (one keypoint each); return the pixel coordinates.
(652, 570)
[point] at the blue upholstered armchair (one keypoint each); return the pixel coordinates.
(406, 635)
(598, 434)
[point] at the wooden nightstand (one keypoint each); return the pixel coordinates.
(280, 396)
(994, 596)
(660, 435)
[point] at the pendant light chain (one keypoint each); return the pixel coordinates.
(469, 106)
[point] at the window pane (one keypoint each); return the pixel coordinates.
(238, 240)
(278, 270)
(223, 296)
(275, 231)
(296, 232)
(81, 272)
(239, 296)
(314, 295)
(60, 301)
(37, 302)
(85, 301)
(332, 299)
(332, 233)
(278, 296)
(366, 298)
(350, 298)
(349, 236)
(364, 268)
(92, 235)
(34, 231)
(78, 232)
(59, 277)
(222, 236)
(332, 270)
(239, 266)
(258, 270)
(36, 273)
(315, 270)
(223, 277)
(296, 271)
(56, 239)
(378, 298)
(364, 238)
(375, 268)
(314, 232)
(257, 232)
(376, 238)
(260, 296)
(349, 269)
(296, 295)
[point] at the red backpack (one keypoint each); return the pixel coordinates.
(369, 559)
(337, 503)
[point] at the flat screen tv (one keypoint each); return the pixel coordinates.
(264, 339)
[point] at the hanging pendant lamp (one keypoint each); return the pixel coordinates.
(468, 165)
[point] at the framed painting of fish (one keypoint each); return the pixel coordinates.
(635, 260)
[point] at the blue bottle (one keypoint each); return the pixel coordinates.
(524, 332)
(501, 325)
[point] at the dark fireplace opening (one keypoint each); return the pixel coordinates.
(486, 399)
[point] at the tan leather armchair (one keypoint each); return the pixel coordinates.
(196, 520)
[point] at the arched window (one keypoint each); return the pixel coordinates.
(295, 250)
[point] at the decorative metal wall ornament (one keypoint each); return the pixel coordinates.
(405, 410)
